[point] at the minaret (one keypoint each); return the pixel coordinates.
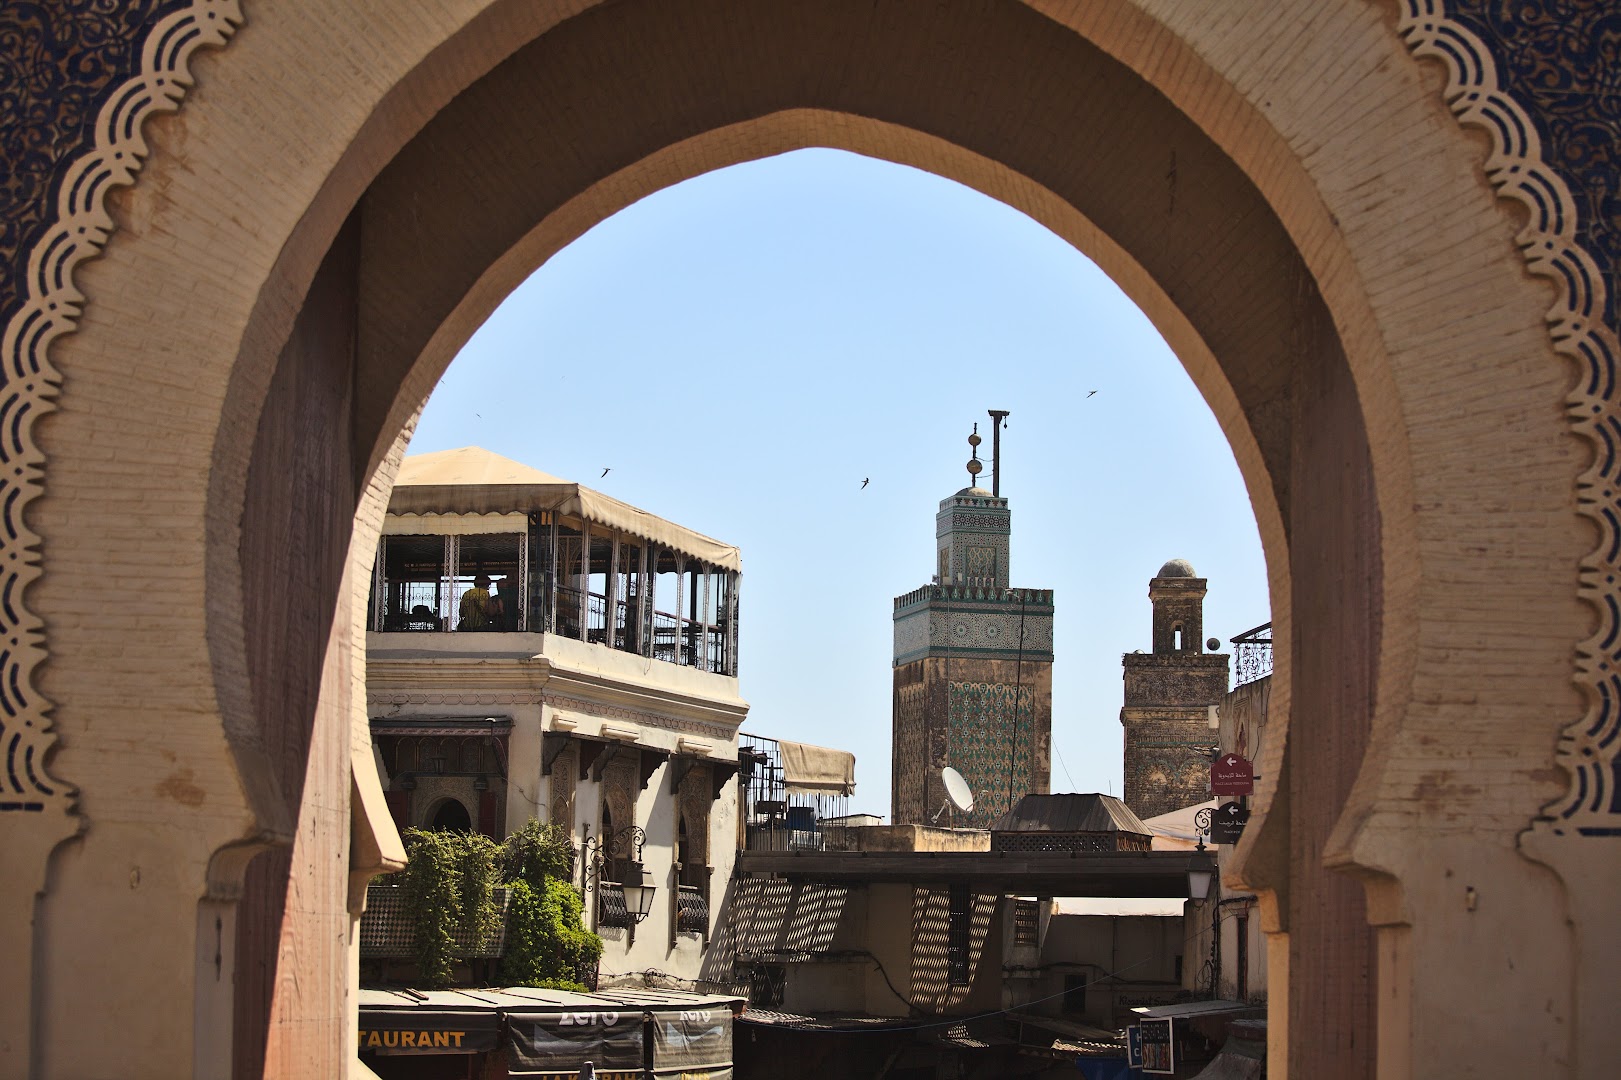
(967, 648)
(1168, 697)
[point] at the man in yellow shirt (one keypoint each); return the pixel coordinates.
(476, 605)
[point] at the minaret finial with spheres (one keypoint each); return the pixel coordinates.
(974, 467)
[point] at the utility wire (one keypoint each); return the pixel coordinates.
(955, 1021)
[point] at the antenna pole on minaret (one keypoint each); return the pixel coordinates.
(998, 419)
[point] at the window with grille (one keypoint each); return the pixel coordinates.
(611, 909)
(1026, 922)
(692, 911)
(957, 934)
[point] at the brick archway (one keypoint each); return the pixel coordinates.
(1283, 195)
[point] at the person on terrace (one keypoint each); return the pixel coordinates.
(475, 608)
(507, 604)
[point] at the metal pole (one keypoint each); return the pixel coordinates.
(998, 418)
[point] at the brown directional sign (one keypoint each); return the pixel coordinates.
(1227, 823)
(1232, 775)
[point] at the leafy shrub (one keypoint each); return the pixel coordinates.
(450, 881)
(547, 942)
(537, 852)
(433, 882)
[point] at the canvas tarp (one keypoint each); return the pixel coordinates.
(816, 770)
(471, 480)
(693, 1042)
(558, 1043)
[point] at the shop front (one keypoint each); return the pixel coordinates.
(625, 1034)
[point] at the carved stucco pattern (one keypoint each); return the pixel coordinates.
(619, 794)
(77, 82)
(668, 723)
(590, 708)
(405, 697)
(695, 802)
(1543, 79)
(562, 786)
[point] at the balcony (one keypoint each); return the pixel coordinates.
(563, 578)
(1252, 655)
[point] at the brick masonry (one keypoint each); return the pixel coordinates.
(1168, 693)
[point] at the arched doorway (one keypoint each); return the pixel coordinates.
(450, 816)
(1217, 169)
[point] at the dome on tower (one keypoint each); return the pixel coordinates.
(974, 491)
(1177, 568)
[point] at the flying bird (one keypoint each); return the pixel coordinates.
(1089, 393)
(605, 472)
(866, 481)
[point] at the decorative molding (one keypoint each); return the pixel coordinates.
(48, 305)
(723, 732)
(402, 697)
(1550, 56)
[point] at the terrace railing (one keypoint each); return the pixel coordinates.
(1252, 654)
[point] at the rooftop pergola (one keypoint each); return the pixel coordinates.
(476, 542)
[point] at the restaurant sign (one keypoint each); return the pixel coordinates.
(427, 1031)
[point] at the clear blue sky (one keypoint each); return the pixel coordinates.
(744, 348)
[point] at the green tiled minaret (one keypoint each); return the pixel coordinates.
(973, 670)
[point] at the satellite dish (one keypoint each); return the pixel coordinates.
(957, 789)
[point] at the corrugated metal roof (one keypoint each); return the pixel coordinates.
(526, 998)
(1092, 812)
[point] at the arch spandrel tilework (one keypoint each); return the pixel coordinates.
(84, 79)
(1531, 76)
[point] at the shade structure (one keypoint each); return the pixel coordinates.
(817, 770)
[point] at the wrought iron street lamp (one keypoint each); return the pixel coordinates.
(639, 890)
(1201, 867)
(605, 856)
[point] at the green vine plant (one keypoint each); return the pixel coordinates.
(450, 881)
(547, 942)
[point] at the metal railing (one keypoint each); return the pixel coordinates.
(662, 636)
(776, 819)
(1252, 655)
(692, 910)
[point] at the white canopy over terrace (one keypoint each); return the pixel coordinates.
(472, 480)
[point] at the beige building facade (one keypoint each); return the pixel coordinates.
(240, 269)
(595, 696)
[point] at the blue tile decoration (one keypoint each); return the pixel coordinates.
(1542, 78)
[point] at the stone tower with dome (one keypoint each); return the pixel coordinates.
(973, 670)
(1168, 694)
